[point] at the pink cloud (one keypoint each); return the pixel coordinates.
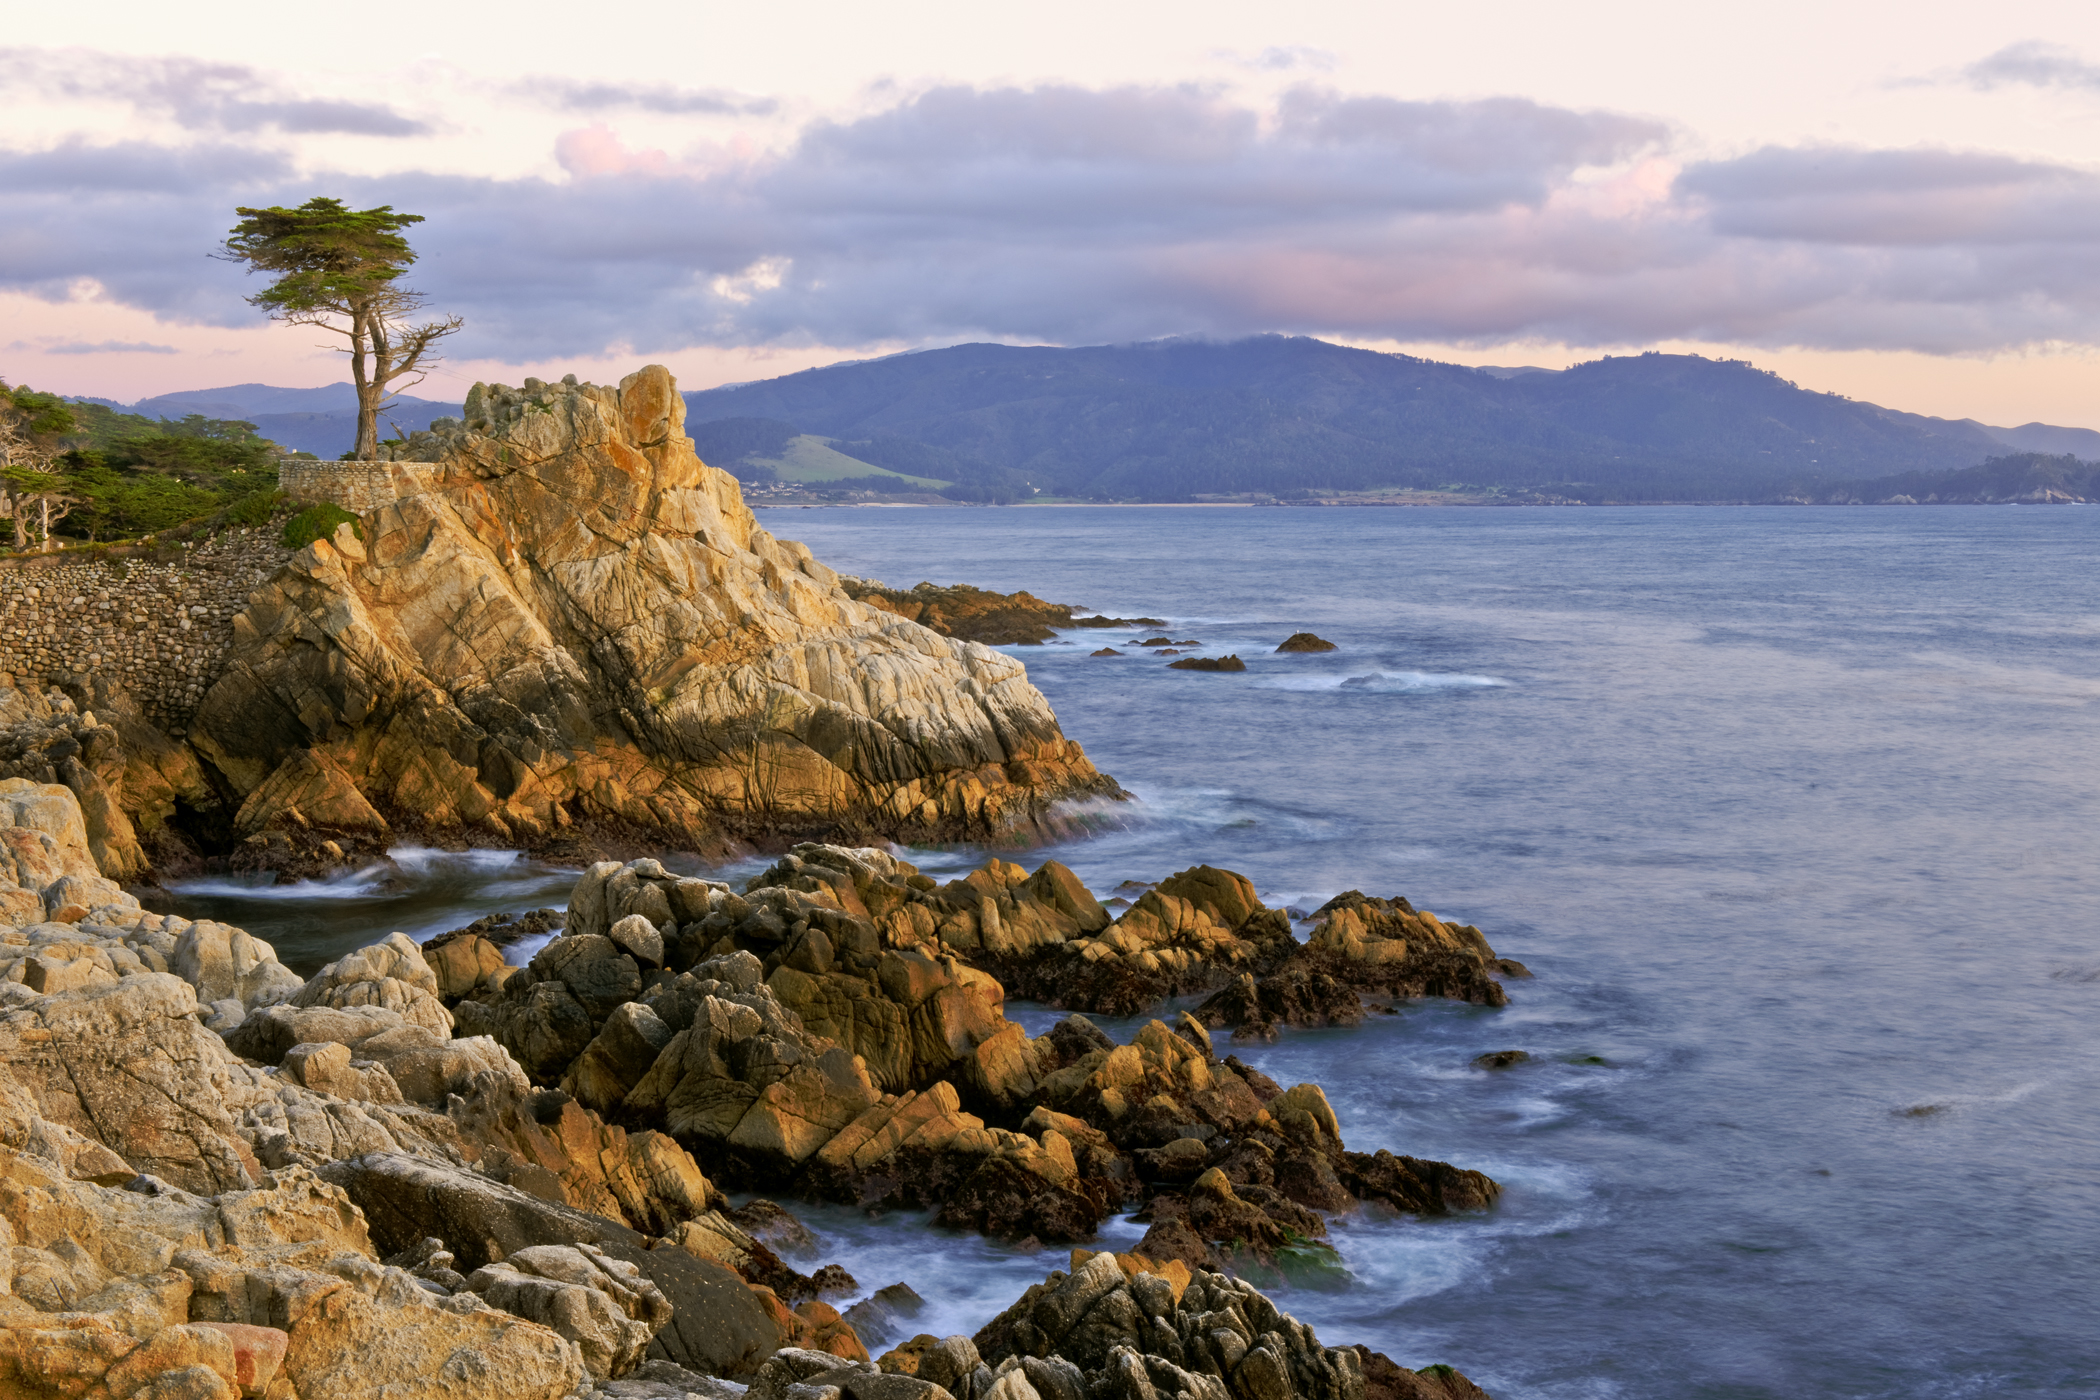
(594, 151)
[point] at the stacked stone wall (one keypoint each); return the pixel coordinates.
(355, 486)
(159, 629)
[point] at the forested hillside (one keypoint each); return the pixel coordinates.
(2020, 476)
(1179, 419)
(92, 473)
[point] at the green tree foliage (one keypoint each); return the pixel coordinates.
(33, 432)
(2019, 476)
(317, 522)
(102, 474)
(340, 268)
(733, 443)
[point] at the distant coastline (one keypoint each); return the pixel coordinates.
(1378, 505)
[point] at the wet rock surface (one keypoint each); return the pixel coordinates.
(416, 1173)
(1124, 1325)
(980, 615)
(837, 1029)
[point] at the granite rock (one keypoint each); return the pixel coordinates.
(567, 624)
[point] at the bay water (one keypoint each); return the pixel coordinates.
(1792, 812)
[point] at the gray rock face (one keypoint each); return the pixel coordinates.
(665, 1380)
(717, 1325)
(604, 1305)
(223, 962)
(640, 937)
(406, 1199)
(423, 1065)
(126, 1061)
(390, 974)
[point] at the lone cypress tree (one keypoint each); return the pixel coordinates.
(339, 268)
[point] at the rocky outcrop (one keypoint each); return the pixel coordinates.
(567, 628)
(120, 1284)
(1361, 946)
(602, 1304)
(1122, 1327)
(217, 1179)
(126, 775)
(163, 1229)
(832, 1030)
(1305, 642)
(980, 615)
(1189, 933)
(47, 864)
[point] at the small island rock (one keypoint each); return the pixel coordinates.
(1305, 641)
(1501, 1059)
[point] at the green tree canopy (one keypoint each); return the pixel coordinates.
(327, 256)
(340, 268)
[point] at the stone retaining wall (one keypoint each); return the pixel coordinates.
(160, 629)
(355, 486)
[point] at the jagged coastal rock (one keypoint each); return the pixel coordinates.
(497, 1164)
(218, 1179)
(566, 621)
(980, 615)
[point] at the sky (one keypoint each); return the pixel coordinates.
(1898, 202)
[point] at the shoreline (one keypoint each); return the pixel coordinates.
(1398, 505)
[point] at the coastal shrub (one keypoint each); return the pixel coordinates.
(256, 508)
(318, 520)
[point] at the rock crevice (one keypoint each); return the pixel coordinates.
(569, 621)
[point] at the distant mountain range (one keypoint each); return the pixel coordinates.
(322, 421)
(1285, 416)
(1181, 419)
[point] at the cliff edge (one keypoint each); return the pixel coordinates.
(566, 625)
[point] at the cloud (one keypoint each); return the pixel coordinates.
(1281, 58)
(88, 170)
(1075, 215)
(2033, 63)
(195, 94)
(572, 95)
(99, 347)
(1889, 199)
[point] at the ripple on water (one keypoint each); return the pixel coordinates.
(422, 893)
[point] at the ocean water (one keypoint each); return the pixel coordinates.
(1791, 811)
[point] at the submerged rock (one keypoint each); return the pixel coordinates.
(1207, 663)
